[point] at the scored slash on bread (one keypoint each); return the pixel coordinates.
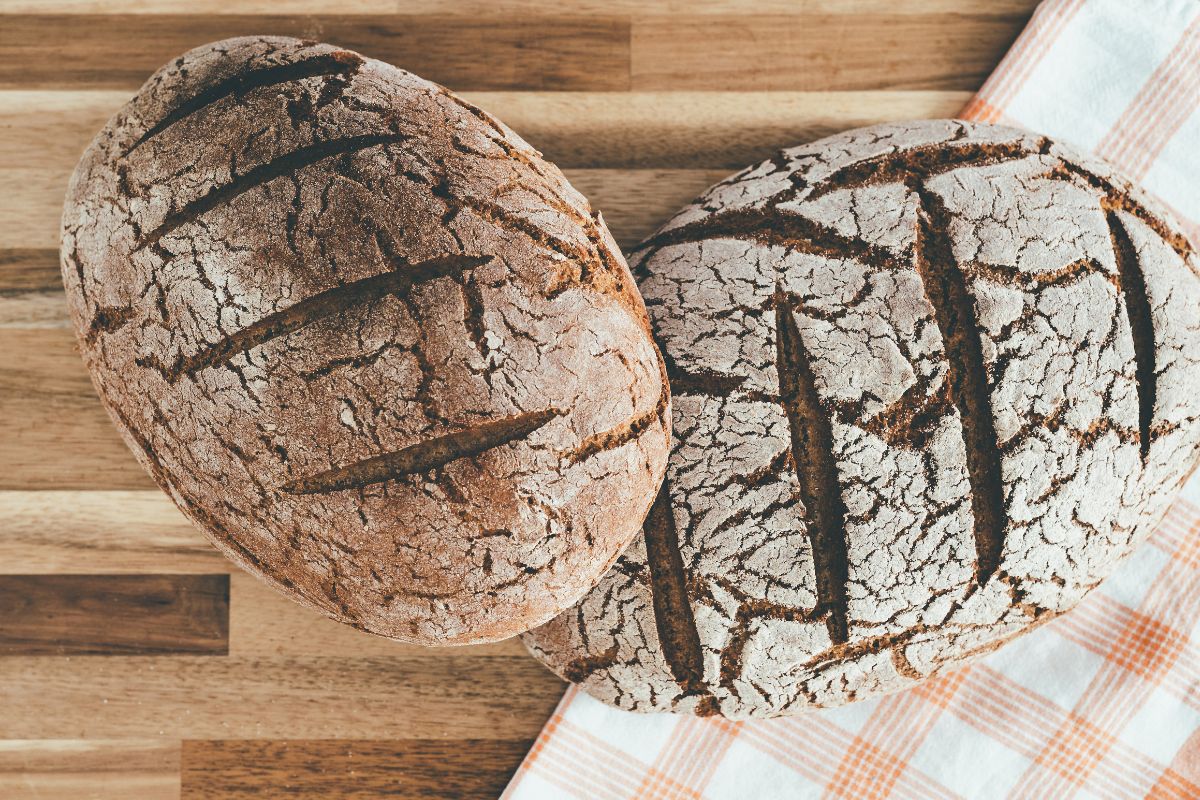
(932, 381)
(400, 277)
(423, 456)
(376, 347)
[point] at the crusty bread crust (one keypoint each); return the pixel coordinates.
(932, 382)
(366, 338)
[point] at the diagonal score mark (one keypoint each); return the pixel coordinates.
(773, 227)
(705, 383)
(424, 456)
(324, 304)
(1119, 199)
(673, 616)
(624, 433)
(1066, 275)
(263, 173)
(927, 160)
(954, 312)
(816, 470)
(341, 62)
(1141, 325)
(507, 220)
(910, 420)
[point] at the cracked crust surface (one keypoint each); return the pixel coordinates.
(364, 336)
(932, 382)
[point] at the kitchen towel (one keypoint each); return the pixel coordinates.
(1103, 702)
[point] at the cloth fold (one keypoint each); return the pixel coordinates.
(1102, 702)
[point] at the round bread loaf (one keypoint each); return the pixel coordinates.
(932, 381)
(366, 338)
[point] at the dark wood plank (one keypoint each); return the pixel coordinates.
(477, 52)
(114, 614)
(449, 768)
(29, 269)
(819, 51)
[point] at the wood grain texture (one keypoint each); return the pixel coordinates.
(29, 270)
(70, 769)
(643, 104)
(819, 51)
(335, 695)
(114, 615)
(350, 768)
(103, 532)
(466, 8)
(57, 436)
(479, 52)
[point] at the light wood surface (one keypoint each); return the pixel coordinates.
(135, 662)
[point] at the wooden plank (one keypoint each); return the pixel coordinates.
(636, 202)
(147, 769)
(819, 51)
(57, 435)
(477, 52)
(104, 532)
(235, 769)
(329, 697)
(697, 130)
(36, 226)
(48, 130)
(46, 309)
(64, 532)
(477, 7)
(264, 622)
(114, 615)
(29, 269)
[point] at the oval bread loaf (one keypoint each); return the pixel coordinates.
(366, 338)
(932, 382)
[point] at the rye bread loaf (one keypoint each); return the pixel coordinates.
(931, 382)
(366, 338)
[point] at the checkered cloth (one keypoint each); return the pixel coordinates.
(1103, 702)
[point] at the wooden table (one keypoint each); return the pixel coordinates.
(134, 660)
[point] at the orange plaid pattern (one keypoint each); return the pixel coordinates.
(684, 767)
(1131, 639)
(1075, 749)
(1180, 541)
(866, 772)
(1047, 23)
(1149, 123)
(1103, 702)
(1146, 646)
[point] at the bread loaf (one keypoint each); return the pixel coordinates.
(366, 338)
(932, 382)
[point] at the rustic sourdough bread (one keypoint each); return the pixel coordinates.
(932, 382)
(366, 338)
